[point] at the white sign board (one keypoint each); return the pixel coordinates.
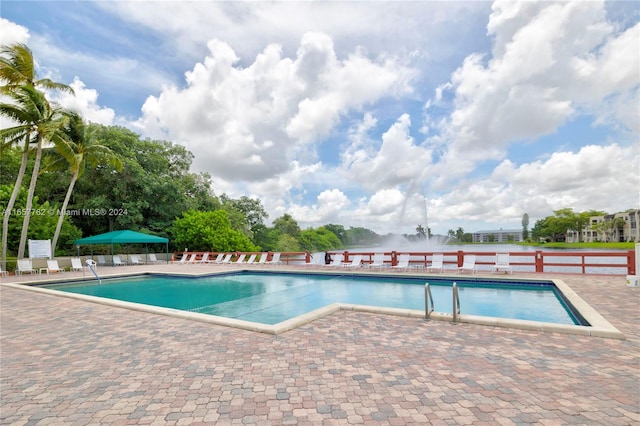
(39, 249)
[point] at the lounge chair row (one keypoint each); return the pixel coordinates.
(437, 263)
(228, 258)
(357, 262)
(25, 266)
(132, 259)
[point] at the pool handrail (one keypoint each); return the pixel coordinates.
(456, 302)
(428, 299)
(92, 264)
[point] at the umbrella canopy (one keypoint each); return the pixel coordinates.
(123, 237)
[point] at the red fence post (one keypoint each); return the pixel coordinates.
(460, 258)
(394, 258)
(631, 262)
(539, 261)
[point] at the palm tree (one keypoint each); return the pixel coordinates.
(34, 117)
(38, 122)
(76, 149)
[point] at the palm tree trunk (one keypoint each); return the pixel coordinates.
(62, 212)
(12, 201)
(32, 188)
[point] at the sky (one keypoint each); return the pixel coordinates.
(383, 115)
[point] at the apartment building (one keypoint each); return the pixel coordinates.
(617, 227)
(498, 236)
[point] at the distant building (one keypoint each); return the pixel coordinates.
(618, 227)
(498, 236)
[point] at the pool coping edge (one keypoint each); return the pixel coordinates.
(599, 326)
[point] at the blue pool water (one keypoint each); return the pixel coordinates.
(270, 298)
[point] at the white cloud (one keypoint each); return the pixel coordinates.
(549, 61)
(251, 123)
(329, 206)
(595, 177)
(12, 33)
(279, 186)
(85, 102)
(385, 202)
(398, 160)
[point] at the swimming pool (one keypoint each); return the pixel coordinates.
(273, 297)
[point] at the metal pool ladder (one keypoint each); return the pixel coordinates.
(91, 265)
(428, 301)
(456, 302)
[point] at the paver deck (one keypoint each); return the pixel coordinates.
(71, 362)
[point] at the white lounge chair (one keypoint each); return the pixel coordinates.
(356, 262)
(502, 263)
(314, 261)
(240, 258)
(378, 261)
(336, 261)
(3, 272)
(218, 258)
(403, 262)
(226, 258)
(101, 260)
(275, 259)
(205, 258)
(263, 258)
(151, 258)
(437, 263)
(25, 265)
(117, 261)
(53, 267)
(251, 260)
(468, 264)
(135, 260)
(191, 258)
(76, 264)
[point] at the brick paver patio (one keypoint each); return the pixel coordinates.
(71, 362)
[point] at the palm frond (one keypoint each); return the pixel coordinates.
(16, 65)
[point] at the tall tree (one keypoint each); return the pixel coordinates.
(339, 231)
(154, 187)
(287, 225)
(34, 116)
(251, 208)
(209, 231)
(76, 150)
